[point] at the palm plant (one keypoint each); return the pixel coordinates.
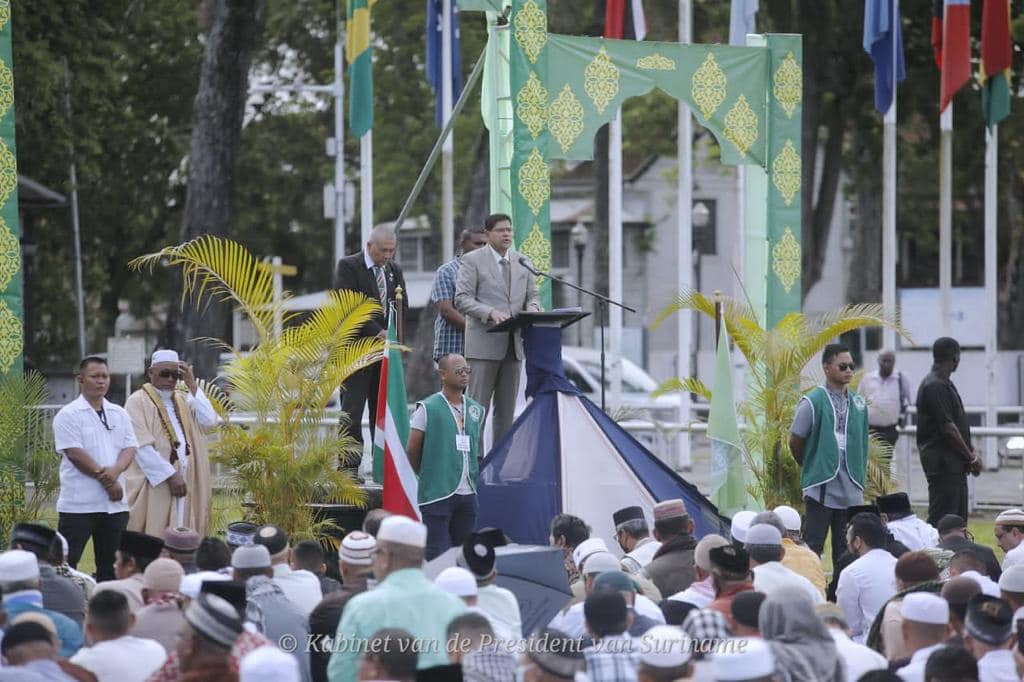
(26, 451)
(777, 358)
(286, 455)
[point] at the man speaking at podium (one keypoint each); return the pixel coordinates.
(493, 286)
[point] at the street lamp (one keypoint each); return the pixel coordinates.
(701, 214)
(579, 235)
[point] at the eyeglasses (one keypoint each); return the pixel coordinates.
(463, 371)
(843, 366)
(168, 373)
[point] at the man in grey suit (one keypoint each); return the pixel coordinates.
(492, 287)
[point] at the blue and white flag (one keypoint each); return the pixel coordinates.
(435, 59)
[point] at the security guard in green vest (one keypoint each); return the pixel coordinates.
(829, 440)
(443, 448)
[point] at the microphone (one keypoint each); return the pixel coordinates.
(526, 264)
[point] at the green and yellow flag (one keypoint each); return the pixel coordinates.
(360, 66)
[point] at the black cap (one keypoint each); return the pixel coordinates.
(989, 619)
(240, 533)
(861, 509)
(627, 514)
(495, 537)
(23, 633)
(730, 558)
(478, 553)
(35, 534)
(950, 522)
(273, 538)
(140, 545)
(746, 607)
(894, 503)
(228, 590)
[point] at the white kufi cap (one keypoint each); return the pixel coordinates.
(790, 517)
(665, 646)
(403, 531)
(268, 664)
(743, 659)
(586, 548)
(457, 581)
(741, 523)
(925, 607)
(17, 565)
(164, 355)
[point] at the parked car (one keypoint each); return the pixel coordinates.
(583, 368)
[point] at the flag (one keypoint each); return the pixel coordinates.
(624, 20)
(728, 484)
(996, 53)
(956, 49)
(937, 31)
(390, 463)
(434, 56)
(881, 28)
(742, 20)
(360, 66)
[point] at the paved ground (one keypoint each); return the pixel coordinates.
(993, 489)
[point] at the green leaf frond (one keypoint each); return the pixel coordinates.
(677, 385)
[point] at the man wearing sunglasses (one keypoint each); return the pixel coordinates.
(444, 444)
(829, 440)
(169, 482)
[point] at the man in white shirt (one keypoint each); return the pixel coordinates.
(97, 444)
(925, 629)
(634, 537)
(866, 584)
(904, 525)
(701, 591)
(1009, 532)
(859, 659)
(764, 544)
(301, 587)
(888, 395)
(169, 485)
(988, 635)
(498, 603)
(114, 655)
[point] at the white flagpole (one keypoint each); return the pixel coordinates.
(366, 185)
(889, 196)
(991, 270)
(447, 172)
(339, 153)
(615, 255)
(945, 215)
(684, 253)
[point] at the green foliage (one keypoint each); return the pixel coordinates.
(26, 451)
(777, 359)
(286, 454)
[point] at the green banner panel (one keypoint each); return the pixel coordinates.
(11, 327)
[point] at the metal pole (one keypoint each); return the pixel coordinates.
(889, 199)
(684, 244)
(366, 186)
(991, 453)
(945, 215)
(447, 170)
(75, 225)
(615, 252)
(339, 150)
(474, 76)
(579, 294)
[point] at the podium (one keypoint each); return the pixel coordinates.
(542, 345)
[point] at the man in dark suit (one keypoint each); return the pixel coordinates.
(372, 272)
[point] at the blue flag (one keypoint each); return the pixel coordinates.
(880, 18)
(434, 59)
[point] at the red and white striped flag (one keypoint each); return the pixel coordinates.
(401, 488)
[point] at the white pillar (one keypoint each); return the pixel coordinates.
(615, 257)
(339, 155)
(945, 216)
(684, 252)
(889, 221)
(366, 186)
(447, 173)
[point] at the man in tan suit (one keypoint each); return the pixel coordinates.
(492, 287)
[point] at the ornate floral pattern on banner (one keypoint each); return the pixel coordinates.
(786, 259)
(565, 119)
(601, 80)
(8, 172)
(786, 172)
(531, 30)
(535, 181)
(10, 337)
(537, 248)
(532, 105)
(10, 255)
(788, 84)
(656, 62)
(6, 88)
(5, 13)
(741, 125)
(707, 87)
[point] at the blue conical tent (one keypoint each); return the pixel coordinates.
(563, 454)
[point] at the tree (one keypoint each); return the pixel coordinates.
(213, 155)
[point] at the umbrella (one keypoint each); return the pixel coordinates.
(535, 574)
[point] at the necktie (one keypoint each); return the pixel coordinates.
(382, 285)
(506, 272)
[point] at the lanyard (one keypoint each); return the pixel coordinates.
(460, 420)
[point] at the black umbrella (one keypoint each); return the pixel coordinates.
(535, 574)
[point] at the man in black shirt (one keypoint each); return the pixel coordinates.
(944, 436)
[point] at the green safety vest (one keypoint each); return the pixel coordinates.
(441, 461)
(821, 451)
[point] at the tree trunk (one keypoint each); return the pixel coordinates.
(216, 133)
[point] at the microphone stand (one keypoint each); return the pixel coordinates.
(601, 300)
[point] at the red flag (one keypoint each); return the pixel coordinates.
(937, 32)
(996, 46)
(956, 49)
(624, 20)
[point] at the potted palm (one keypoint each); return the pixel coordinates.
(282, 454)
(777, 359)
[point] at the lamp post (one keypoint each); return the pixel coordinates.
(579, 235)
(700, 216)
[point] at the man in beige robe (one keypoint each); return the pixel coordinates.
(169, 482)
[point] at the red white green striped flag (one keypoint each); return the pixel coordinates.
(401, 487)
(996, 53)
